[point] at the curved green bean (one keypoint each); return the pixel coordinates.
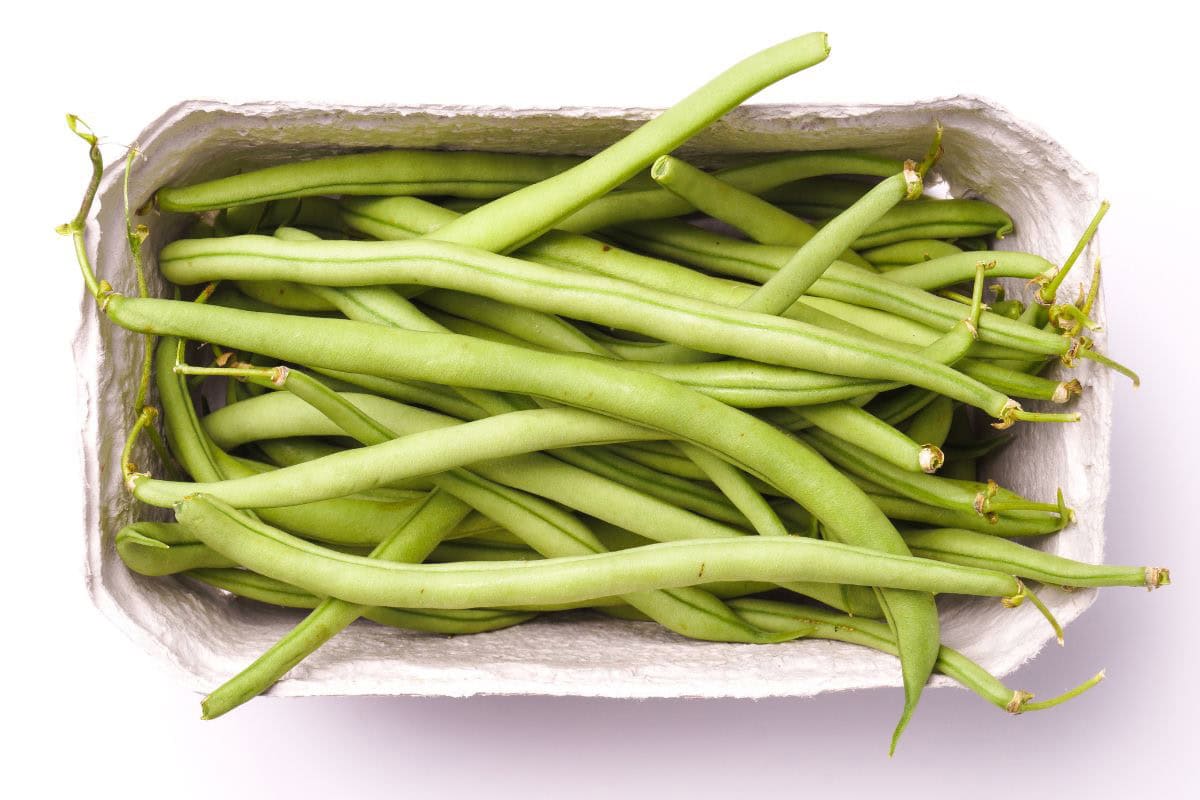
(937, 219)
(156, 549)
(947, 270)
(367, 581)
(513, 220)
(252, 586)
(909, 252)
(969, 548)
(463, 174)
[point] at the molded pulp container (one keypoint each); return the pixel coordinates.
(205, 636)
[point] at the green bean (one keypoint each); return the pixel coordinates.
(750, 385)
(514, 509)
(447, 622)
(876, 435)
(402, 218)
(154, 549)
(755, 217)
(830, 195)
(1013, 382)
(876, 325)
(908, 252)
(760, 220)
(932, 423)
(951, 269)
(354, 470)
(795, 277)
(622, 207)
(936, 219)
(388, 306)
(412, 541)
(227, 295)
(849, 422)
(797, 385)
(467, 174)
(1013, 309)
(291, 450)
(513, 220)
(798, 274)
(969, 548)
(1021, 384)
(868, 633)
(374, 582)
(720, 589)
(929, 218)
(692, 323)
(167, 548)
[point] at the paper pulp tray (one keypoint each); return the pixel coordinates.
(205, 636)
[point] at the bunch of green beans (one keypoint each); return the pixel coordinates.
(575, 397)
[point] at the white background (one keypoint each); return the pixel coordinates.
(89, 713)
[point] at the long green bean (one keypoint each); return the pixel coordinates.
(367, 581)
(463, 174)
(969, 548)
(513, 220)
(252, 586)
